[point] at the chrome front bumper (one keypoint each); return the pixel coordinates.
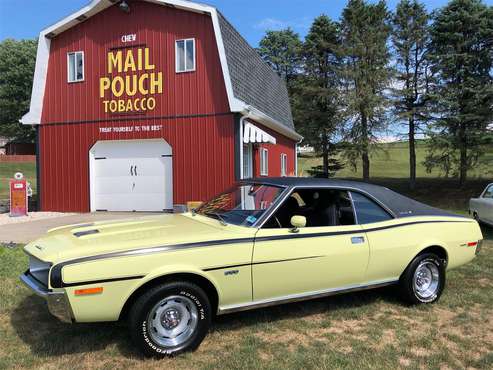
(58, 304)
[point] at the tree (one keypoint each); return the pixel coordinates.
(318, 100)
(282, 51)
(461, 54)
(365, 32)
(410, 39)
(17, 60)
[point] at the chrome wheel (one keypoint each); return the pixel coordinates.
(172, 321)
(426, 280)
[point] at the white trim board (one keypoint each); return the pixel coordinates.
(33, 117)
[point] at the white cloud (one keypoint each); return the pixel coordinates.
(271, 24)
(274, 24)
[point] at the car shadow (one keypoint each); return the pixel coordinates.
(46, 336)
(306, 309)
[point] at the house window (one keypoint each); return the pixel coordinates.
(185, 55)
(247, 161)
(75, 66)
(284, 164)
(264, 162)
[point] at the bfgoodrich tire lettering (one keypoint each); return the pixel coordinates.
(170, 319)
(423, 280)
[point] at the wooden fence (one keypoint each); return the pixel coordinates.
(17, 158)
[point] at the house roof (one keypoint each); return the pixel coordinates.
(397, 204)
(252, 79)
(254, 89)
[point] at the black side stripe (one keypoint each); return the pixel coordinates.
(102, 281)
(56, 280)
(335, 233)
(259, 263)
(56, 271)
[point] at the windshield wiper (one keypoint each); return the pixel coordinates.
(218, 216)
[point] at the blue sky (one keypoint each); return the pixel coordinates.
(25, 18)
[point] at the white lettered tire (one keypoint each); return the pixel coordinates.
(170, 318)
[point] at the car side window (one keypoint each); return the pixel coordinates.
(320, 207)
(367, 211)
(489, 192)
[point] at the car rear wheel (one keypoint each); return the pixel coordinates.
(170, 319)
(424, 279)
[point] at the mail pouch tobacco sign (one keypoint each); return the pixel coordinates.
(131, 82)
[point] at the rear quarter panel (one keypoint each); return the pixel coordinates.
(393, 248)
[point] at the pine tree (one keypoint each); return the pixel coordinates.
(282, 51)
(461, 53)
(318, 103)
(365, 32)
(410, 38)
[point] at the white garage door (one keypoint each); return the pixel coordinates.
(131, 175)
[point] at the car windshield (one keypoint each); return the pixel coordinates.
(241, 205)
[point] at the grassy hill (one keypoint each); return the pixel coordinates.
(392, 161)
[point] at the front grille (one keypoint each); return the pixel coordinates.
(39, 270)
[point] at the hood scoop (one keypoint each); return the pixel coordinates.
(78, 234)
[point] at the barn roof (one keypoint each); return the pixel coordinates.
(253, 87)
(252, 79)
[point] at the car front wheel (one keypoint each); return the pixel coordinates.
(424, 279)
(170, 319)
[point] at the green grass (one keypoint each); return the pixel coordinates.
(371, 329)
(392, 161)
(7, 171)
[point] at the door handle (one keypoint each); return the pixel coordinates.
(357, 239)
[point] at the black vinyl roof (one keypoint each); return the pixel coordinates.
(398, 204)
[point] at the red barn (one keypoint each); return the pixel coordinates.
(147, 104)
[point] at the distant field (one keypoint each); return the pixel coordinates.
(392, 161)
(7, 171)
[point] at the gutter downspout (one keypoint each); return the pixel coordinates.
(296, 157)
(242, 119)
(245, 114)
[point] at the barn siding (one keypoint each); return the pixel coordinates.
(193, 109)
(158, 27)
(203, 159)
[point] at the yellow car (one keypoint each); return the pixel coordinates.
(263, 242)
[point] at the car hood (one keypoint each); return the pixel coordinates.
(82, 240)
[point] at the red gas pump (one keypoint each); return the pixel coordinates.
(18, 196)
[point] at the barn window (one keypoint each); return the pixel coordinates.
(75, 66)
(185, 55)
(264, 162)
(284, 164)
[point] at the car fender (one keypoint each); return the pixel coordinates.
(168, 270)
(428, 243)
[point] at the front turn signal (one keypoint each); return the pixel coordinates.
(89, 291)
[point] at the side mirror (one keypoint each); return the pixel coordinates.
(297, 222)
